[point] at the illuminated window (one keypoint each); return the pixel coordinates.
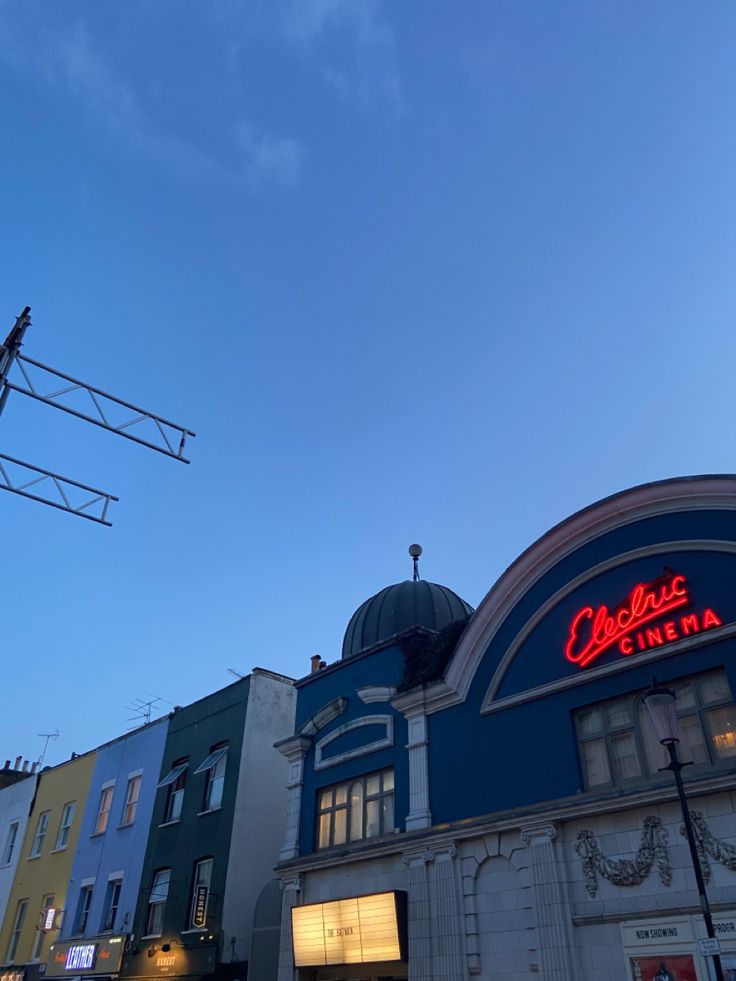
(112, 902)
(157, 903)
(41, 828)
(131, 800)
(175, 782)
(103, 812)
(361, 808)
(10, 843)
(201, 883)
(618, 746)
(67, 816)
(85, 901)
(214, 766)
(20, 918)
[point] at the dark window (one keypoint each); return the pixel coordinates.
(112, 902)
(157, 903)
(361, 808)
(618, 746)
(175, 782)
(85, 901)
(214, 767)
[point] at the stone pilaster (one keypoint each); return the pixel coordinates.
(419, 916)
(556, 946)
(295, 750)
(447, 959)
(419, 815)
(290, 886)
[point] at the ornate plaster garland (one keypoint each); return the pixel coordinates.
(652, 851)
(710, 846)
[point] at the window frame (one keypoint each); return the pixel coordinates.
(40, 835)
(112, 905)
(69, 810)
(21, 911)
(48, 902)
(348, 807)
(152, 906)
(175, 790)
(83, 908)
(134, 783)
(209, 861)
(102, 811)
(216, 771)
(10, 843)
(648, 772)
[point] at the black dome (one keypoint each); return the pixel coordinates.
(398, 607)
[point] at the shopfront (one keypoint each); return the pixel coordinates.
(669, 949)
(168, 958)
(98, 957)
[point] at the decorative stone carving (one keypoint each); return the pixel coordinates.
(709, 846)
(652, 851)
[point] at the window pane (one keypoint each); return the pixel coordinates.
(722, 724)
(325, 799)
(714, 688)
(388, 780)
(373, 785)
(356, 811)
(590, 722)
(372, 828)
(692, 742)
(388, 814)
(619, 714)
(341, 794)
(340, 826)
(595, 760)
(625, 756)
(685, 695)
(324, 831)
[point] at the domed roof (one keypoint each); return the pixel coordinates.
(399, 607)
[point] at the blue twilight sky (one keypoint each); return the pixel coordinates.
(413, 271)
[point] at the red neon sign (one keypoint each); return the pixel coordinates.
(593, 631)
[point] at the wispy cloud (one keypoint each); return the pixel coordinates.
(367, 69)
(69, 64)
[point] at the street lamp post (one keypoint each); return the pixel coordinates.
(660, 703)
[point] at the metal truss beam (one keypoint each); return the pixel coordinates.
(59, 489)
(172, 436)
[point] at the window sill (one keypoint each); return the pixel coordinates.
(152, 936)
(169, 824)
(128, 825)
(211, 810)
(97, 834)
(33, 858)
(54, 851)
(193, 930)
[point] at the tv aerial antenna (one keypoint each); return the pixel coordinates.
(41, 382)
(47, 737)
(143, 709)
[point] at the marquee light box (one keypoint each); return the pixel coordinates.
(360, 930)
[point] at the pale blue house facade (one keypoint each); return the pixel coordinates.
(105, 882)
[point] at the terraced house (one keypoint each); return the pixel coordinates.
(39, 895)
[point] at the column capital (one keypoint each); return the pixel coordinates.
(294, 748)
(291, 882)
(538, 834)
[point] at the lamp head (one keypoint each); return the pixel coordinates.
(661, 706)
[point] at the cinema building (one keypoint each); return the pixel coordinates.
(478, 794)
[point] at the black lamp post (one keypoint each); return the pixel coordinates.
(660, 703)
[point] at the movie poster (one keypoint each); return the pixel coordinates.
(677, 967)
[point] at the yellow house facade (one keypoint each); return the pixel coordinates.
(38, 896)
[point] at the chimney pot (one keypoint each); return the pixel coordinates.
(316, 660)
(7, 765)
(25, 766)
(16, 765)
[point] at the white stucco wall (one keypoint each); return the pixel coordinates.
(260, 807)
(15, 804)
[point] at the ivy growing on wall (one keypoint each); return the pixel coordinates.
(426, 654)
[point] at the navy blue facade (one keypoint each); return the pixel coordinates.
(529, 750)
(119, 851)
(381, 667)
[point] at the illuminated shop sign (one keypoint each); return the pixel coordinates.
(81, 957)
(361, 930)
(102, 957)
(653, 614)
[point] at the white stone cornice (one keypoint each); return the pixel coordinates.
(375, 693)
(294, 748)
(325, 715)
